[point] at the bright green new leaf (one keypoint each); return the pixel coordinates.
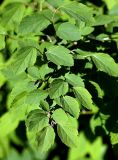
(84, 97)
(74, 80)
(60, 56)
(70, 105)
(45, 139)
(68, 31)
(37, 120)
(58, 88)
(34, 23)
(23, 59)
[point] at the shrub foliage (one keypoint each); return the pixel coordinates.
(58, 74)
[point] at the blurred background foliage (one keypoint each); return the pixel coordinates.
(98, 134)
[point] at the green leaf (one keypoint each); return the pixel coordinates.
(85, 54)
(74, 80)
(45, 45)
(34, 23)
(4, 147)
(114, 11)
(94, 123)
(105, 63)
(60, 56)
(20, 107)
(29, 41)
(68, 134)
(44, 70)
(27, 86)
(13, 13)
(103, 20)
(84, 97)
(70, 105)
(100, 92)
(44, 105)
(79, 152)
(111, 3)
(58, 88)
(68, 31)
(89, 148)
(114, 134)
(55, 3)
(39, 72)
(79, 12)
(34, 97)
(37, 120)
(19, 99)
(2, 42)
(23, 59)
(85, 30)
(66, 128)
(114, 138)
(73, 121)
(45, 139)
(33, 71)
(60, 116)
(8, 123)
(2, 79)
(98, 146)
(2, 30)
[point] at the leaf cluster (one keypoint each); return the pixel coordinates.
(58, 66)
